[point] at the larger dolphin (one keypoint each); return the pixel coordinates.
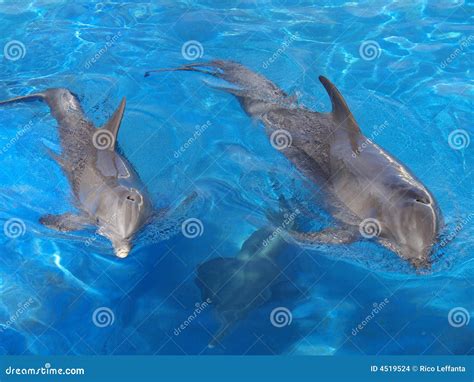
(108, 193)
(367, 190)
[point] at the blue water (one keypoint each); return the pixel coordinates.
(52, 285)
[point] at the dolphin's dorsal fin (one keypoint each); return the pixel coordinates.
(113, 124)
(341, 112)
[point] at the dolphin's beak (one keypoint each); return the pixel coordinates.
(122, 250)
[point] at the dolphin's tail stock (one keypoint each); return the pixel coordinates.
(218, 69)
(61, 102)
(238, 80)
(48, 96)
(27, 98)
(196, 67)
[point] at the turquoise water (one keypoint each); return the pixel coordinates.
(406, 72)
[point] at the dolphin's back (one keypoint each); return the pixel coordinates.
(310, 134)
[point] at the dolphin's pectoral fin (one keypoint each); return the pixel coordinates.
(57, 158)
(113, 124)
(64, 222)
(326, 236)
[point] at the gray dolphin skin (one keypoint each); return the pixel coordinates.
(108, 192)
(364, 189)
(237, 285)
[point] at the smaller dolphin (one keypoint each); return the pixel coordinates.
(108, 192)
(237, 285)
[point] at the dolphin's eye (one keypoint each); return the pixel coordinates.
(422, 201)
(131, 198)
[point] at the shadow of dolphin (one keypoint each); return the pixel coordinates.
(369, 192)
(240, 284)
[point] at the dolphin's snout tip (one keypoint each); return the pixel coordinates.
(122, 252)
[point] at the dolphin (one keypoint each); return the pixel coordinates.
(108, 192)
(237, 285)
(366, 189)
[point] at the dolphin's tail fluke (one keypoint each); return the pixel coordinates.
(196, 67)
(27, 98)
(239, 81)
(219, 335)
